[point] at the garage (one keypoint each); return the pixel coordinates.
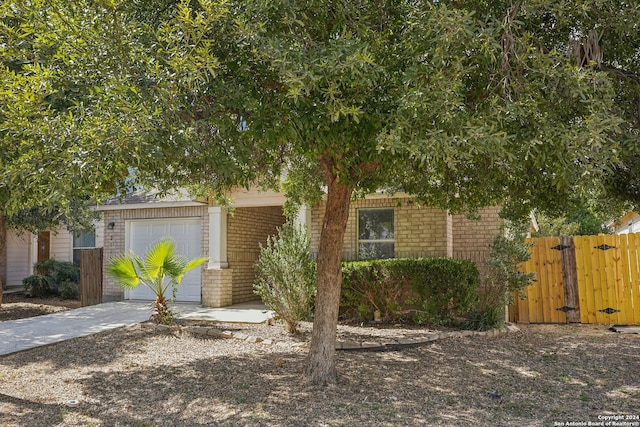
(186, 232)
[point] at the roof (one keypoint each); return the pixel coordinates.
(153, 198)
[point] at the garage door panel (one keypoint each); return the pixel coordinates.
(187, 235)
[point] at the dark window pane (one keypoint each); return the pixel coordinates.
(375, 224)
(84, 240)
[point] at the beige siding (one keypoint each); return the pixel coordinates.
(19, 251)
(18, 257)
(419, 231)
(114, 238)
(247, 229)
(61, 245)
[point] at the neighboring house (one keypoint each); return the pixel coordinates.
(25, 249)
(629, 223)
(379, 226)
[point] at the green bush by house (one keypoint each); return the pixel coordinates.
(286, 275)
(53, 277)
(441, 290)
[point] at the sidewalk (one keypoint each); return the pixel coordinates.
(23, 334)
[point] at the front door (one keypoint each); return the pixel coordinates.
(44, 239)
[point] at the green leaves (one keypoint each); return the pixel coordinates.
(463, 105)
(159, 269)
(286, 275)
(123, 269)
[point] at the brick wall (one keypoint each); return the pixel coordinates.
(217, 287)
(114, 244)
(419, 231)
(247, 228)
(471, 238)
(114, 239)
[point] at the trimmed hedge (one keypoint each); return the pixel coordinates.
(441, 289)
(368, 286)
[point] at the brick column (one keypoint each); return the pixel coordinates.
(3, 254)
(113, 245)
(217, 277)
(217, 287)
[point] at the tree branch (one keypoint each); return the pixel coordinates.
(620, 73)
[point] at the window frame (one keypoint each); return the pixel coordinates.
(360, 241)
(75, 248)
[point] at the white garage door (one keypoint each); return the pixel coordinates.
(187, 235)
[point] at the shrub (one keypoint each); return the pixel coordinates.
(52, 276)
(69, 290)
(38, 285)
(502, 278)
(368, 286)
(483, 319)
(59, 271)
(442, 289)
(445, 289)
(286, 275)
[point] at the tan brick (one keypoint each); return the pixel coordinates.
(247, 229)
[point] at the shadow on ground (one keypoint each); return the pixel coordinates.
(515, 379)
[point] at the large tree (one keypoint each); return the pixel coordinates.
(463, 104)
(51, 170)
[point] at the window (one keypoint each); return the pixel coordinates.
(82, 241)
(375, 233)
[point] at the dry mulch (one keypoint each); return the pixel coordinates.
(17, 306)
(139, 376)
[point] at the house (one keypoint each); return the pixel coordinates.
(628, 223)
(24, 249)
(379, 226)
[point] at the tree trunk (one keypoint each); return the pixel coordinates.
(320, 368)
(3, 255)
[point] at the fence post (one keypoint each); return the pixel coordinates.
(570, 280)
(90, 276)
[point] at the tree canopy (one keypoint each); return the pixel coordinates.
(463, 104)
(56, 158)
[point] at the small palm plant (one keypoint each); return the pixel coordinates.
(159, 269)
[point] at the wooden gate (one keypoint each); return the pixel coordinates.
(587, 279)
(90, 276)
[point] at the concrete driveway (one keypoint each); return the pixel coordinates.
(23, 334)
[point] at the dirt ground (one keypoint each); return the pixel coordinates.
(542, 375)
(17, 306)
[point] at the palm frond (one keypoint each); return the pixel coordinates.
(174, 265)
(190, 265)
(156, 257)
(123, 270)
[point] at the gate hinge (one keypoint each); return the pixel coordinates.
(604, 247)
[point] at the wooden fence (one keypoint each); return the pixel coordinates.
(587, 279)
(90, 276)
